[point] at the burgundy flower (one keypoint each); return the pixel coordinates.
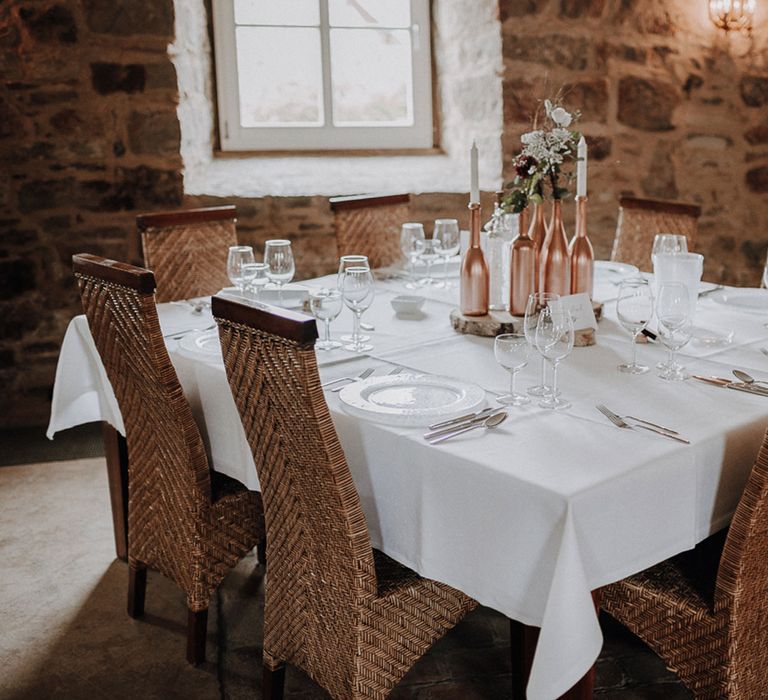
(524, 164)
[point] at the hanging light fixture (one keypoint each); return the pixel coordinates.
(732, 14)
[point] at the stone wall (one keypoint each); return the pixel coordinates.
(89, 137)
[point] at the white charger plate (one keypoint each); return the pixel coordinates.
(411, 399)
(750, 300)
(203, 345)
(608, 268)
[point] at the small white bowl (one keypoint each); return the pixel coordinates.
(407, 304)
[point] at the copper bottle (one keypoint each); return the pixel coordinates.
(474, 270)
(537, 231)
(554, 262)
(523, 268)
(582, 254)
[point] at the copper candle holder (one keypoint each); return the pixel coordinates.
(582, 253)
(474, 270)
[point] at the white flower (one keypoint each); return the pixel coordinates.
(532, 137)
(561, 117)
(548, 107)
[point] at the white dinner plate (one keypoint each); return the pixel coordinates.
(201, 345)
(411, 399)
(751, 300)
(609, 268)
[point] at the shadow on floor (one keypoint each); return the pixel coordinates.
(30, 446)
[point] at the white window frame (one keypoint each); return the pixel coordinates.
(233, 137)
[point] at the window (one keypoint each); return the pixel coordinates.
(323, 74)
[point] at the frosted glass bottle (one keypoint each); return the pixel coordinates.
(500, 235)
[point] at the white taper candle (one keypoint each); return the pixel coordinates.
(474, 189)
(581, 169)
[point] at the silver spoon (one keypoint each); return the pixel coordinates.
(746, 378)
(491, 422)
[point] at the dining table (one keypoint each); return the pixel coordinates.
(532, 517)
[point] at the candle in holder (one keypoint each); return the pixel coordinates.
(581, 169)
(474, 189)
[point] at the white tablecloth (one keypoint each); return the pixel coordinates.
(531, 517)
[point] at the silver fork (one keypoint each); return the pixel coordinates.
(619, 422)
(363, 375)
(395, 370)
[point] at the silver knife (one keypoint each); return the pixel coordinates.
(480, 418)
(460, 419)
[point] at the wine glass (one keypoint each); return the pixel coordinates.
(448, 237)
(673, 310)
(347, 261)
(326, 305)
(634, 307)
(410, 235)
(429, 251)
(239, 255)
(554, 340)
(255, 276)
(669, 244)
(536, 302)
(357, 291)
(511, 351)
(279, 256)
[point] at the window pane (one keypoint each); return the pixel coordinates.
(371, 74)
(279, 75)
(370, 13)
(302, 12)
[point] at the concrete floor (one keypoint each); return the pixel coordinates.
(64, 632)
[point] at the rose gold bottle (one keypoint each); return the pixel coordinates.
(582, 254)
(554, 262)
(523, 268)
(538, 228)
(474, 270)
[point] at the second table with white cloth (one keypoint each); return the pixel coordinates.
(528, 518)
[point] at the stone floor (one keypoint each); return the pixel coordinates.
(65, 634)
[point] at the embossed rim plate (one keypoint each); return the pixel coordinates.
(712, 337)
(203, 345)
(609, 267)
(753, 301)
(411, 399)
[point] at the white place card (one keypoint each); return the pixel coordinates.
(580, 308)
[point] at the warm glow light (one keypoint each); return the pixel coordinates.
(732, 14)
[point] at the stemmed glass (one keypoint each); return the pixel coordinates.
(326, 305)
(357, 291)
(669, 244)
(279, 256)
(511, 351)
(239, 255)
(536, 302)
(429, 251)
(673, 312)
(410, 235)
(255, 276)
(448, 237)
(554, 340)
(634, 307)
(345, 262)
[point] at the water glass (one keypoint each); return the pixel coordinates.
(536, 302)
(239, 255)
(511, 351)
(669, 244)
(448, 239)
(326, 305)
(685, 268)
(554, 340)
(279, 256)
(673, 313)
(345, 262)
(634, 308)
(410, 235)
(358, 291)
(256, 277)
(429, 251)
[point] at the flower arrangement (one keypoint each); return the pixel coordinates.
(541, 166)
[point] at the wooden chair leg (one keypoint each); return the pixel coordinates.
(197, 630)
(261, 551)
(137, 589)
(273, 682)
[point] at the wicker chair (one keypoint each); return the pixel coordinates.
(191, 524)
(704, 611)
(639, 222)
(349, 616)
(370, 225)
(187, 250)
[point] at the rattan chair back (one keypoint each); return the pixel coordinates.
(639, 222)
(319, 553)
(370, 225)
(187, 250)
